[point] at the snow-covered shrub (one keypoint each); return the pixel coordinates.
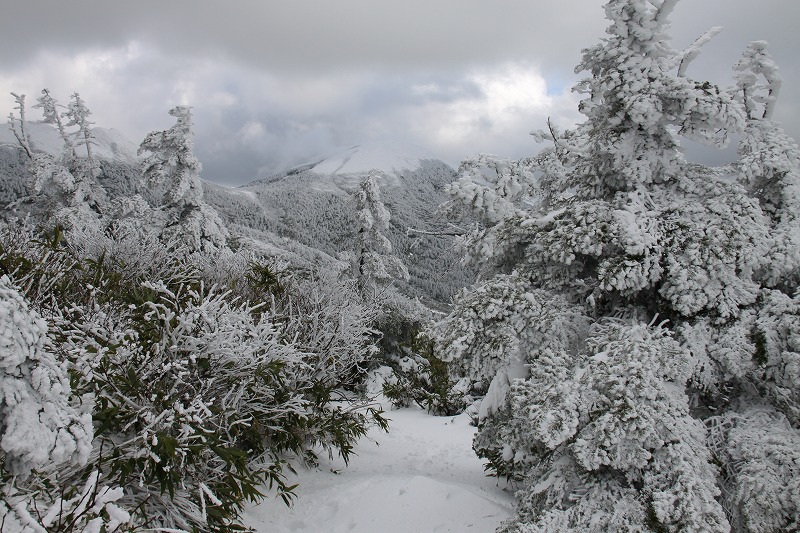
(420, 377)
(326, 319)
(42, 432)
(194, 402)
(38, 425)
(200, 396)
(51, 508)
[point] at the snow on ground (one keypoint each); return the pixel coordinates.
(420, 477)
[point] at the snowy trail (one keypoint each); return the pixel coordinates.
(420, 477)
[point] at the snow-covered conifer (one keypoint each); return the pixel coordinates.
(77, 114)
(374, 262)
(64, 188)
(172, 163)
(608, 230)
(49, 107)
(769, 164)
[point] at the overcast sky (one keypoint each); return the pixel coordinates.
(277, 83)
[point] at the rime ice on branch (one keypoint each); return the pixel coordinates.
(38, 426)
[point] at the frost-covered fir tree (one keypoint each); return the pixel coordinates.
(757, 442)
(49, 107)
(374, 264)
(622, 312)
(172, 163)
(77, 115)
(769, 164)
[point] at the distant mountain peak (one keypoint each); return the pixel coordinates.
(109, 143)
(361, 158)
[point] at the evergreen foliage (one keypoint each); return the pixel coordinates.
(636, 307)
(419, 377)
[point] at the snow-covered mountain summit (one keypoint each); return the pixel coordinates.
(343, 170)
(361, 158)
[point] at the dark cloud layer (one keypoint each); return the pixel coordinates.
(276, 83)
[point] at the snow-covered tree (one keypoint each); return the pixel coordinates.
(52, 115)
(64, 188)
(623, 303)
(374, 263)
(172, 163)
(18, 125)
(769, 163)
(77, 114)
(85, 169)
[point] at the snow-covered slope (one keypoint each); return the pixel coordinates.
(364, 157)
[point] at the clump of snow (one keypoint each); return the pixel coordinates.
(420, 477)
(499, 387)
(362, 158)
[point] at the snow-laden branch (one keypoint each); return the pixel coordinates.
(692, 51)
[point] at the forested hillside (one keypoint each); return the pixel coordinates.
(316, 208)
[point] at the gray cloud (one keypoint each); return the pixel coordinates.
(276, 83)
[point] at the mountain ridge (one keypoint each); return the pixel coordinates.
(317, 210)
(346, 168)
